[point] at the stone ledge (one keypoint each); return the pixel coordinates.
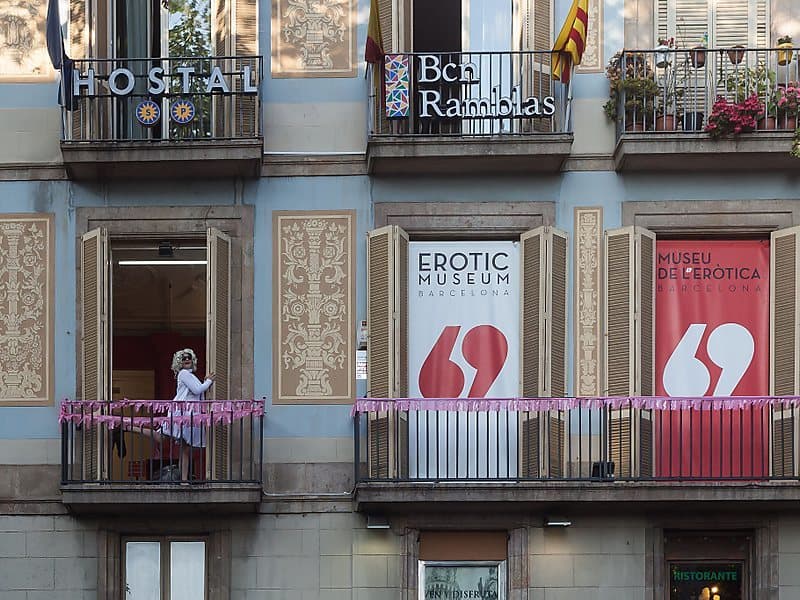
(219, 498)
(147, 159)
(689, 151)
(535, 153)
(313, 165)
(399, 497)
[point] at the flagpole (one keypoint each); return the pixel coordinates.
(568, 114)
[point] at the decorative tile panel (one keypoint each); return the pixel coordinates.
(23, 49)
(26, 305)
(588, 271)
(592, 59)
(313, 38)
(396, 83)
(314, 319)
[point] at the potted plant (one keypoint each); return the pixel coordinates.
(785, 50)
(760, 82)
(632, 90)
(732, 118)
(736, 54)
(697, 55)
(667, 103)
(663, 52)
(788, 105)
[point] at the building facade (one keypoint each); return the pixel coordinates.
(349, 247)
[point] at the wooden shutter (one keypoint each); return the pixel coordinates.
(727, 22)
(534, 31)
(218, 341)
(543, 256)
(629, 325)
(246, 45)
(785, 348)
(387, 348)
(95, 368)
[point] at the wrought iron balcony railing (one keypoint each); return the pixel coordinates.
(668, 89)
(162, 99)
(153, 442)
(597, 439)
(467, 94)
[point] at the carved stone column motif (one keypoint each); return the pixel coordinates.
(314, 295)
(26, 332)
(588, 278)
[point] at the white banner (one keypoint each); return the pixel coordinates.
(463, 342)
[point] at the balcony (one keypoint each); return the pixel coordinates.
(509, 455)
(666, 97)
(156, 118)
(459, 112)
(137, 455)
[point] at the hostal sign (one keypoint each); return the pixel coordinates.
(122, 81)
(478, 97)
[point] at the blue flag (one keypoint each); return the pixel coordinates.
(58, 56)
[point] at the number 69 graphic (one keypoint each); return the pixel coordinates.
(730, 346)
(484, 347)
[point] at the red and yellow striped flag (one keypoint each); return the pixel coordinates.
(374, 50)
(571, 41)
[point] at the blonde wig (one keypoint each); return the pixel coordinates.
(177, 363)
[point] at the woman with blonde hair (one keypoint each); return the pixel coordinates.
(187, 433)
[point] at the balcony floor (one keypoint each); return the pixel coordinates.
(177, 159)
(94, 498)
(689, 151)
(418, 154)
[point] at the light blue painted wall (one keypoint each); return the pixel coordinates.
(568, 190)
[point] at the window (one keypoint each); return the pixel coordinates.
(726, 22)
(202, 304)
(708, 565)
(456, 565)
(542, 331)
(165, 569)
(630, 338)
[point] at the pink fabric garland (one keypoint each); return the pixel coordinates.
(540, 404)
(202, 413)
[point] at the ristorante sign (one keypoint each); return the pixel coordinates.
(458, 90)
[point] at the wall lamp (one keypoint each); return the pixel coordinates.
(377, 522)
(557, 522)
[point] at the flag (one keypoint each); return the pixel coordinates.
(58, 56)
(374, 51)
(571, 41)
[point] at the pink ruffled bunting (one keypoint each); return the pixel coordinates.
(541, 404)
(189, 413)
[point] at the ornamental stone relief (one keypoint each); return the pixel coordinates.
(314, 288)
(313, 38)
(592, 59)
(23, 50)
(25, 310)
(588, 265)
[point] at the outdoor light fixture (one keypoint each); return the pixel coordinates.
(557, 522)
(377, 522)
(165, 249)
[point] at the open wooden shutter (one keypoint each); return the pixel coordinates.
(218, 341)
(387, 348)
(246, 47)
(629, 326)
(534, 31)
(95, 368)
(543, 348)
(785, 348)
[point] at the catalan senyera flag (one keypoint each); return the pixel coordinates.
(571, 41)
(374, 50)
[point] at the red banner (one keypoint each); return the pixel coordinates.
(712, 339)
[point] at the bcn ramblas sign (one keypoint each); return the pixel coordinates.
(478, 96)
(122, 81)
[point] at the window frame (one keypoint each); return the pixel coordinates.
(502, 573)
(186, 223)
(165, 549)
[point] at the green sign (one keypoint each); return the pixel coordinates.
(706, 581)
